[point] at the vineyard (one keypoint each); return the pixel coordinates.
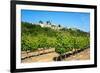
(44, 40)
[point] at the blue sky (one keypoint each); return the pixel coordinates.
(65, 19)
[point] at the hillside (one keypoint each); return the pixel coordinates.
(34, 29)
(35, 37)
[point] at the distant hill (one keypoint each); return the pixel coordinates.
(34, 29)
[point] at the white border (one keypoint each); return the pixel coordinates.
(20, 65)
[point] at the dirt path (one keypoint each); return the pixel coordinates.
(42, 58)
(84, 55)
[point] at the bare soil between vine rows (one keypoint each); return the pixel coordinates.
(84, 55)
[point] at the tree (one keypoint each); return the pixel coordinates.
(59, 25)
(40, 22)
(59, 46)
(60, 51)
(42, 41)
(48, 22)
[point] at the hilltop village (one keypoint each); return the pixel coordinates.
(48, 24)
